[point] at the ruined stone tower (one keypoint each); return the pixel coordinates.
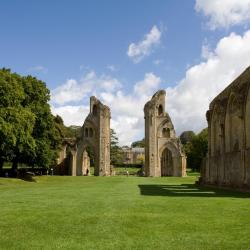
(74, 159)
(163, 152)
(95, 136)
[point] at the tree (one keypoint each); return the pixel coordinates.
(196, 150)
(16, 122)
(116, 153)
(140, 159)
(45, 133)
(28, 132)
(186, 137)
(139, 144)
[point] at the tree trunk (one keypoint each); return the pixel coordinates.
(14, 167)
(1, 165)
(14, 164)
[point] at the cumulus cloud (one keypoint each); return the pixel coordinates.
(188, 101)
(224, 13)
(72, 115)
(126, 109)
(74, 91)
(137, 51)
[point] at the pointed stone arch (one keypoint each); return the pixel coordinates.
(96, 135)
(161, 143)
(231, 165)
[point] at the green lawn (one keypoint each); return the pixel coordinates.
(121, 213)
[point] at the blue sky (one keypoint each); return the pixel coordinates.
(80, 48)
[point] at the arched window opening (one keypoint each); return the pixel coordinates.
(86, 132)
(166, 132)
(94, 111)
(160, 110)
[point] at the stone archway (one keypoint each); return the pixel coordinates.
(162, 147)
(66, 157)
(95, 134)
(167, 168)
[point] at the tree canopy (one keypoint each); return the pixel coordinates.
(139, 144)
(196, 149)
(186, 137)
(28, 130)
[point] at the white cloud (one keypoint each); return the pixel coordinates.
(224, 13)
(38, 69)
(72, 115)
(74, 91)
(188, 102)
(146, 86)
(126, 109)
(137, 51)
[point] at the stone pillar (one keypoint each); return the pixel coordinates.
(73, 163)
(85, 163)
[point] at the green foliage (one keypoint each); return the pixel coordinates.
(116, 153)
(196, 150)
(186, 137)
(11, 91)
(138, 144)
(28, 131)
(16, 126)
(73, 131)
(66, 132)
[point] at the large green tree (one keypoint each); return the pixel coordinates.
(28, 131)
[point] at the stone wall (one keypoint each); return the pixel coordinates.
(163, 151)
(228, 159)
(95, 136)
(133, 155)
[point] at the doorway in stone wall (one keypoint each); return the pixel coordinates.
(92, 161)
(166, 163)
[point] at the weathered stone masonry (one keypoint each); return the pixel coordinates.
(163, 152)
(228, 159)
(95, 135)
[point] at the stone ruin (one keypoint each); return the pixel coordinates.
(74, 158)
(66, 156)
(163, 151)
(228, 159)
(95, 135)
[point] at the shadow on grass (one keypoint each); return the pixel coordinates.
(188, 190)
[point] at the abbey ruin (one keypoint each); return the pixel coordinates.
(163, 152)
(228, 159)
(94, 139)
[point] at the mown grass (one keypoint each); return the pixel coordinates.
(121, 213)
(120, 171)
